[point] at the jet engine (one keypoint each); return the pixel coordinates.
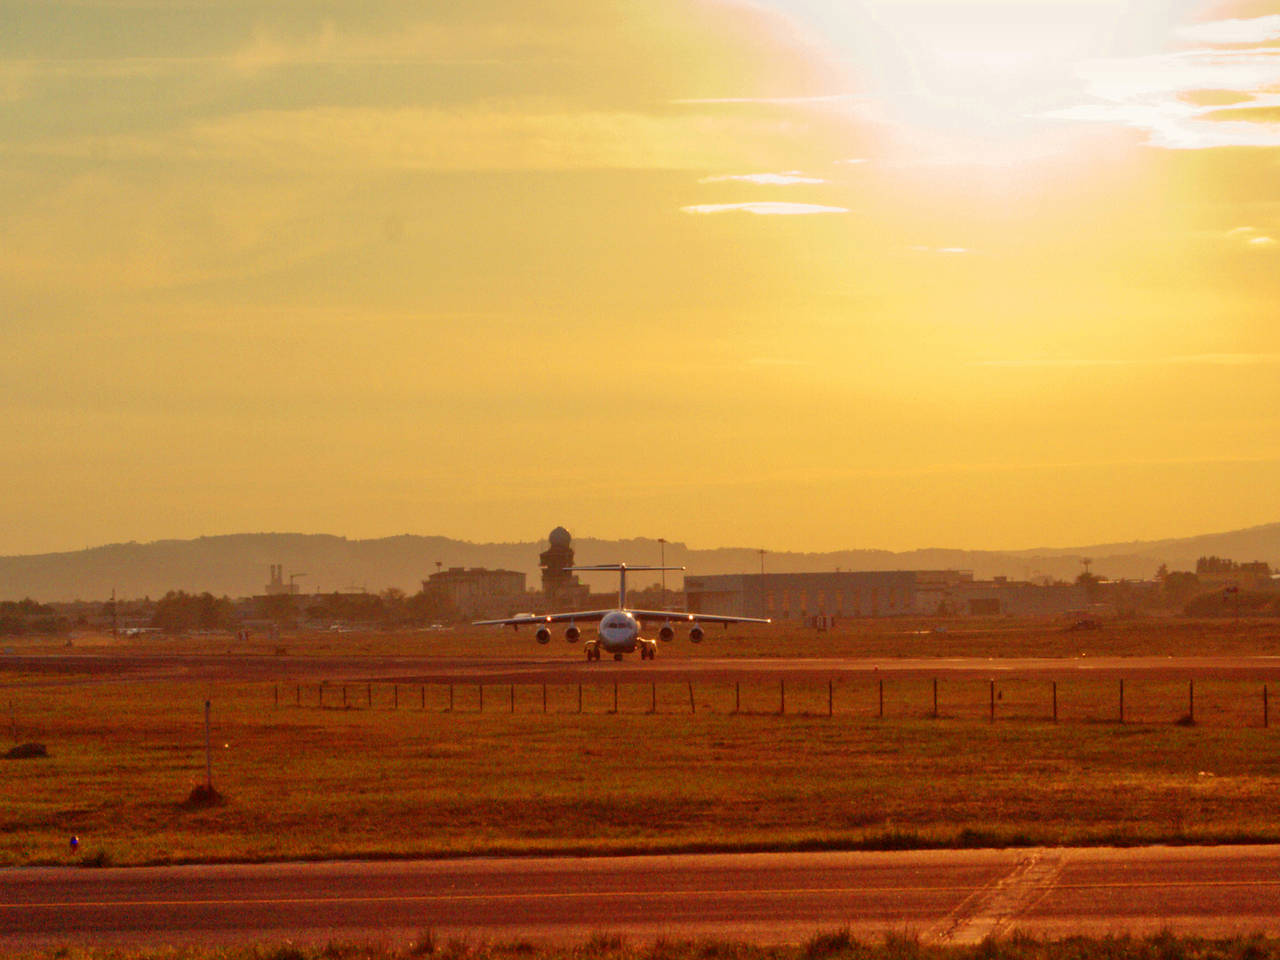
(667, 633)
(573, 634)
(696, 634)
(543, 635)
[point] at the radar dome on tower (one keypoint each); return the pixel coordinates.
(558, 584)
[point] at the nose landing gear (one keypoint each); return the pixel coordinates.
(593, 650)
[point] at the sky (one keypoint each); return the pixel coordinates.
(779, 273)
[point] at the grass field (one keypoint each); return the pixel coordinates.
(832, 945)
(314, 783)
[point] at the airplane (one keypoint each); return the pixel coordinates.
(618, 630)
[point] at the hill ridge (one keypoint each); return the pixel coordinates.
(236, 564)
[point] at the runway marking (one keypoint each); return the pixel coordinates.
(1161, 884)
(961, 915)
(994, 906)
(475, 897)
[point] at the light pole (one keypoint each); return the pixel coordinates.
(662, 562)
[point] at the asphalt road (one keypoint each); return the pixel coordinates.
(943, 896)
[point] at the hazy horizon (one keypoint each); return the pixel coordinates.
(892, 274)
(674, 541)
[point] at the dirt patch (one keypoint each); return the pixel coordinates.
(27, 751)
(203, 797)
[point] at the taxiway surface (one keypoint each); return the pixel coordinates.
(943, 896)
(445, 669)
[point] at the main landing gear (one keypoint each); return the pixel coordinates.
(648, 650)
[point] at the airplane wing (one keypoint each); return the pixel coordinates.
(543, 618)
(677, 616)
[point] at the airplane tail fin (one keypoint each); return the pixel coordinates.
(621, 569)
(619, 566)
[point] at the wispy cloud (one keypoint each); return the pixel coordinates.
(783, 101)
(484, 136)
(777, 362)
(266, 49)
(475, 41)
(1254, 30)
(1251, 237)
(764, 208)
(1201, 359)
(1186, 100)
(769, 179)
(943, 250)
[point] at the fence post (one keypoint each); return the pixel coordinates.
(615, 696)
(513, 698)
(782, 698)
(344, 695)
(830, 697)
(208, 747)
(881, 714)
(653, 698)
(1055, 701)
(276, 690)
(480, 686)
(1122, 699)
(579, 698)
(935, 698)
(451, 698)
(422, 692)
(692, 707)
(368, 695)
(395, 696)
(1191, 701)
(544, 698)
(993, 702)
(297, 695)
(1265, 718)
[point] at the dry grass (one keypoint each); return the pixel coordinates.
(383, 783)
(823, 945)
(418, 781)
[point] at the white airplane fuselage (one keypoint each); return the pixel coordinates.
(619, 632)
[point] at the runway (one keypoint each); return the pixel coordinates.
(942, 896)
(78, 668)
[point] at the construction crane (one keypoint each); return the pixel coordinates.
(293, 577)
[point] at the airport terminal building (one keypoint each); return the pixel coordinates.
(829, 597)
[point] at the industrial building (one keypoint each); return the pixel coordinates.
(478, 592)
(824, 598)
(277, 587)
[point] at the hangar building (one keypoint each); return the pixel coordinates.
(825, 597)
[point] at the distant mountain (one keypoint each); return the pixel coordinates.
(238, 564)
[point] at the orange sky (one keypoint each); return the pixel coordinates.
(947, 273)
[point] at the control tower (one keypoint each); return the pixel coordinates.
(558, 584)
